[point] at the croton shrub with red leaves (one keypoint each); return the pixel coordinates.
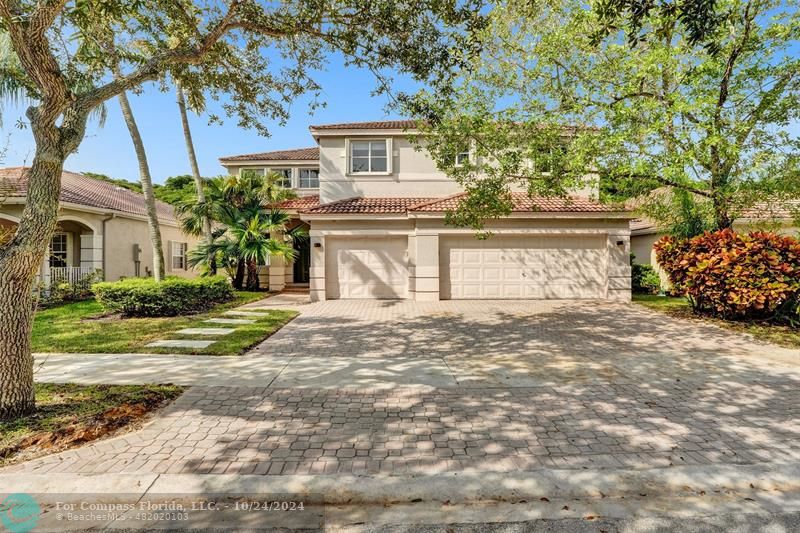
(735, 275)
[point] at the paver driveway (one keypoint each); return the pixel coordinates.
(501, 386)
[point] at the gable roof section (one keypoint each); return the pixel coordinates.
(296, 154)
(527, 204)
(83, 190)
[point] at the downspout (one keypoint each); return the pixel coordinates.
(110, 217)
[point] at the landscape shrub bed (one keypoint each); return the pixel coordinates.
(172, 296)
(644, 278)
(735, 276)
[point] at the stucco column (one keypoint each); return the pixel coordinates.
(316, 270)
(619, 266)
(277, 267)
(424, 268)
(92, 251)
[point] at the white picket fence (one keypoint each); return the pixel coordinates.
(76, 276)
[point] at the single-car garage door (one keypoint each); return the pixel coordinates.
(366, 267)
(520, 267)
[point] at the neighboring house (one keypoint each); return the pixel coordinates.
(644, 232)
(375, 208)
(101, 226)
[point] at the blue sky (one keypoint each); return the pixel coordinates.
(108, 150)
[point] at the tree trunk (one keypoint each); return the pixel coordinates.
(147, 188)
(20, 259)
(252, 275)
(198, 179)
(721, 217)
(238, 281)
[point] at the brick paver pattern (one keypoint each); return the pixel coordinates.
(603, 386)
(292, 431)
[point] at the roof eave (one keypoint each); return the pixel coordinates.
(362, 132)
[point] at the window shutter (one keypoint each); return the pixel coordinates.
(389, 155)
(169, 256)
(185, 247)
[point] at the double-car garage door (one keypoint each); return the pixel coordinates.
(502, 267)
(522, 267)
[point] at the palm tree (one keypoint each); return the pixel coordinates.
(246, 209)
(153, 227)
(198, 179)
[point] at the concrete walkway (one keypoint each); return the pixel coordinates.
(679, 499)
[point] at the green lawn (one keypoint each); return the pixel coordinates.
(69, 415)
(780, 335)
(81, 327)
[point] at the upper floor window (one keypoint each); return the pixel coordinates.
(462, 157)
(246, 172)
(309, 178)
(285, 179)
(370, 157)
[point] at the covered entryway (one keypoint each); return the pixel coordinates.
(366, 267)
(523, 267)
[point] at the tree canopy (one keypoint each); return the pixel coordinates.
(256, 57)
(547, 104)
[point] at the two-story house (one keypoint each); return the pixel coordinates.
(375, 207)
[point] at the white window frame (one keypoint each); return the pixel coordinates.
(67, 248)
(300, 177)
(389, 156)
(468, 153)
(242, 170)
(182, 248)
(290, 177)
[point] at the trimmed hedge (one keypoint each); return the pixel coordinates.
(173, 296)
(733, 275)
(644, 279)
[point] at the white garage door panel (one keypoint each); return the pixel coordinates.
(367, 268)
(523, 267)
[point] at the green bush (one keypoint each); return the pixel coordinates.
(735, 276)
(173, 296)
(645, 279)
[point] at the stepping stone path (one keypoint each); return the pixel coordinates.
(187, 343)
(229, 321)
(205, 331)
(243, 313)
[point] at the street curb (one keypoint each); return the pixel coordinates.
(454, 487)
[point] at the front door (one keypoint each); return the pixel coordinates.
(302, 261)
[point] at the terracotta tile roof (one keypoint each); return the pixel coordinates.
(524, 204)
(301, 203)
(778, 210)
(372, 125)
(760, 212)
(359, 206)
(641, 224)
(83, 190)
(299, 154)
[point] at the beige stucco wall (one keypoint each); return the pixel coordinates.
(121, 233)
(424, 243)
